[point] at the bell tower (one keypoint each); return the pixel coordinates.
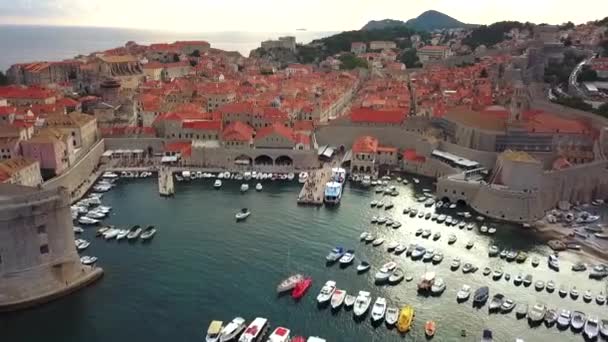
(520, 102)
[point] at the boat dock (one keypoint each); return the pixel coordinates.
(165, 182)
(313, 190)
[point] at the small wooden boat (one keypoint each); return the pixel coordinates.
(429, 328)
(406, 316)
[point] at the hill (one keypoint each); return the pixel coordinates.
(427, 21)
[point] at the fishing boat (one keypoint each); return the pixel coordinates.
(213, 332)
(592, 328)
(363, 267)
(507, 305)
(563, 320)
(463, 294)
(451, 239)
(232, 330)
(574, 293)
(553, 262)
(349, 300)
(148, 233)
(255, 331)
(391, 317)
(468, 268)
(111, 233)
(600, 298)
(587, 297)
(496, 302)
(438, 287)
(347, 258)
(299, 290)
(426, 282)
(362, 303)
(497, 274)
(289, 283)
(101, 231)
(562, 291)
(335, 254)
(493, 251)
(522, 311)
(578, 320)
(385, 271)
(551, 317)
(326, 292)
(406, 316)
(518, 280)
(536, 314)
(396, 277)
(539, 285)
(550, 286)
(378, 242)
(378, 309)
(481, 296)
(527, 280)
(337, 299)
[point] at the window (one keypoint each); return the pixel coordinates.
(41, 229)
(44, 249)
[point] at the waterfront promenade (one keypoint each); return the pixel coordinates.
(313, 189)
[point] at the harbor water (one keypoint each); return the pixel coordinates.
(202, 265)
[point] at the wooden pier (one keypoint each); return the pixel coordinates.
(313, 190)
(165, 182)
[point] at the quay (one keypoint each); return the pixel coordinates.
(165, 182)
(313, 190)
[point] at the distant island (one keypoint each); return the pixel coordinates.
(427, 21)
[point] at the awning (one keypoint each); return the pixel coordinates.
(168, 159)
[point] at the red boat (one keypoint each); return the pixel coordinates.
(298, 339)
(300, 290)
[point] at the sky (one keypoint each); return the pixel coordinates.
(284, 15)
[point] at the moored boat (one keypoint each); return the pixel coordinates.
(563, 320)
(406, 316)
(392, 315)
(429, 328)
(362, 303)
(337, 299)
(349, 300)
(335, 254)
(233, 329)
(481, 296)
(289, 283)
(464, 293)
(213, 331)
(536, 314)
(363, 266)
(592, 327)
(347, 258)
(255, 331)
(148, 233)
(326, 292)
(299, 290)
(496, 302)
(578, 320)
(378, 309)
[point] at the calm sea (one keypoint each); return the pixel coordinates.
(202, 265)
(33, 43)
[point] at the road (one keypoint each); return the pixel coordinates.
(573, 86)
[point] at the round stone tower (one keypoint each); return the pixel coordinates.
(110, 90)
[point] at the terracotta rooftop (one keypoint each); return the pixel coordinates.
(238, 131)
(365, 144)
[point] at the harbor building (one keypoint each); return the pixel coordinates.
(368, 156)
(38, 258)
(288, 42)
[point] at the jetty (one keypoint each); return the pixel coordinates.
(165, 182)
(312, 192)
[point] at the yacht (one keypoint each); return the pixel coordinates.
(214, 331)
(464, 293)
(563, 320)
(337, 299)
(232, 330)
(378, 309)
(326, 292)
(217, 184)
(592, 327)
(335, 254)
(362, 303)
(255, 331)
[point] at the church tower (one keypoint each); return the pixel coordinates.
(520, 102)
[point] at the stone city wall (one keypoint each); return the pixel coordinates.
(72, 178)
(260, 159)
(504, 204)
(577, 183)
(456, 189)
(157, 144)
(486, 159)
(345, 135)
(430, 168)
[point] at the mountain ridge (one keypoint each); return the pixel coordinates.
(428, 21)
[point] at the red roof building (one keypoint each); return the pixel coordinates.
(365, 144)
(238, 131)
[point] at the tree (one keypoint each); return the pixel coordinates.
(175, 58)
(195, 53)
(410, 59)
(603, 110)
(604, 45)
(350, 61)
(567, 42)
(3, 79)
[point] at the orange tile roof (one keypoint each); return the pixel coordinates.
(365, 144)
(238, 131)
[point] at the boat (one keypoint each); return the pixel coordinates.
(587, 297)
(87, 220)
(335, 254)
(349, 300)
(337, 299)
(492, 230)
(441, 218)
(378, 309)
(436, 236)
(503, 254)
(413, 212)
(417, 252)
(578, 320)
(78, 230)
(233, 329)
(82, 245)
(366, 182)
(551, 317)
(426, 233)
(592, 327)
(518, 280)
(550, 287)
(563, 320)
(451, 239)
(535, 261)
(573, 293)
(213, 332)
(507, 305)
(391, 317)
(217, 184)
(428, 216)
(604, 328)
(600, 298)
(406, 316)
(496, 302)
(385, 271)
(486, 271)
(536, 314)
(579, 267)
(497, 274)
(258, 187)
(428, 256)
(539, 285)
(426, 282)
(326, 292)
(511, 255)
(101, 231)
(363, 236)
(470, 244)
(381, 220)
(598, 272)
(299, 290)
(391, 246)
(333, 188)
(400, 249)
(388, 205)
(88, 260)
(468, 268)
(255, 331)
(522, 311)
(455, 264)
(527, 280)
(244, 187)
(122, 234)
(377, 242)
(429, 328)
(148, 233)
(134, 233)
(483, 229)
(362, 303)
(396, 224)
(486, 336)
(438, 287)
(562, 291)
(463, 294)
(369, 238)
(437, 258)
(553, 262)
(481, 296)
(396, 277)
(111, 233)
(302, 177)
(289, 283)
(363, 266)
(347, 258)
(493, 251)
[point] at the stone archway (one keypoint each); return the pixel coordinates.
(461, 203)
(263, 160)
(445, 199)
(283, 161)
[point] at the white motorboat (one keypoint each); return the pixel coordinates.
(88, 260)
(418, 252)
(290, 176)
(592, 327)
(148, 233)
(111, 234)
(438, 286)
(122, 234)
(326, 292)
(363, 266)
(455, 264)
(258, 187)
(81, 245)
(507, 305)
(379, 309)
(255, 331)
(134, 233)
(391, 246)
(87, 220)
(392, 315)
(553, 262)
(302, 177)
(243, 214)
(385, 271)
(578, 320)
(563, 320)
(349, 300)
(244, 187)
(78, 230)
(347, 258)
(109, 175)
(537, 313)
(362, 303)
(214, 331)
(337, 299)
(217, 184)
(464, 293)
(396, 277)
(400, 249)
(378, 242)
(280, 334)
(366, 181)
(232, 329)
